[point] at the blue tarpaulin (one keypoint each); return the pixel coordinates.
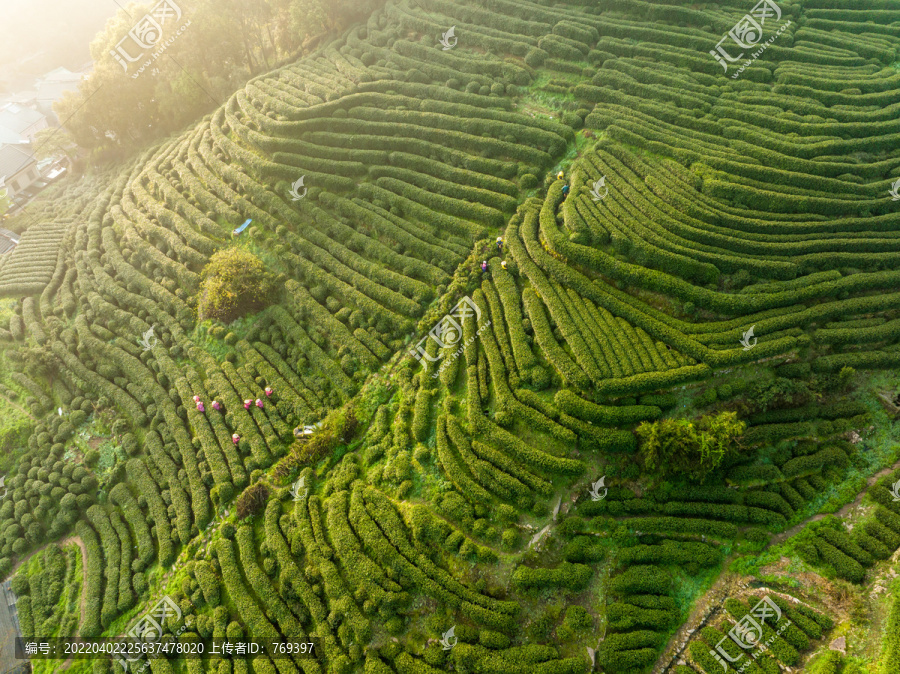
(242, 227)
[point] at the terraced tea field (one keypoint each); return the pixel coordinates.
(520, 255)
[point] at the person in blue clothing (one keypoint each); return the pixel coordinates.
(484, 266)
(565, 190)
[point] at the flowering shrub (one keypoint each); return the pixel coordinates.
(234, 283)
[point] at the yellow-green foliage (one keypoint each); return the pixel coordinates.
(890, 655)
(337, 428)
(689, 446)
(15, 428)
(234, 283)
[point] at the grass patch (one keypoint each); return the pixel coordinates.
(15, 428)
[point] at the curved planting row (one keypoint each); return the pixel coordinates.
(377, 174)
(788, 628)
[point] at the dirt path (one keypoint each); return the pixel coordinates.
(63, 543)
(27, 557)
(843, 512)
(80, 543)
(704, 608)
(705, 605)
(19, 407)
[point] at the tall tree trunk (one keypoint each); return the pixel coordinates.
(272, 40)
(262, 48)
(250, 63)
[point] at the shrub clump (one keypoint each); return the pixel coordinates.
(338, 428)
(690, 447)
(234, 283)
(252, 500)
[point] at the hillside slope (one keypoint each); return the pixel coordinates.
(463, 491)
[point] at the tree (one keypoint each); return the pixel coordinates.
(690, 447)
(5, 200)
(311, 17)
(126, 103)
(234, 283)
(54, 142)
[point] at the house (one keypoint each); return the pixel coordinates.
(18, 170)
(10, 137)
(20, 123)
(51, 87)
(24, 97)
(8, 241)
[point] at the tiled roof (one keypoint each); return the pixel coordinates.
(8, 136)
(18, 118)
(53, 90)
(61, 75)
(6, 242)
(13, 160)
